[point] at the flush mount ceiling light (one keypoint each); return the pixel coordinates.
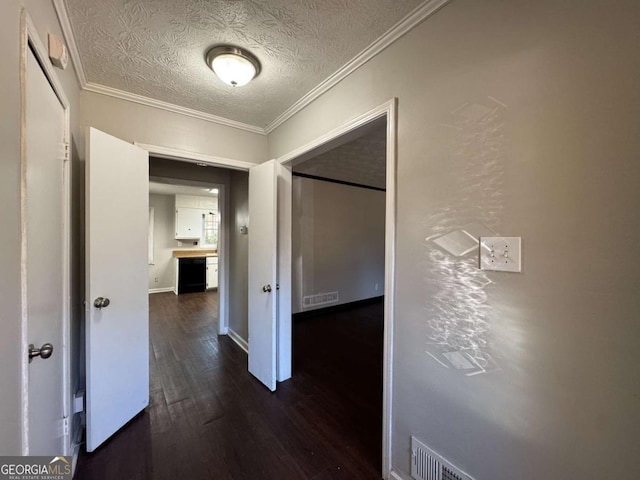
(233, 65)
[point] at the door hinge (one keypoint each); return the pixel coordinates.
(66, 152)
(64, 426)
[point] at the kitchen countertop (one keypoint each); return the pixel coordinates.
(195, 253)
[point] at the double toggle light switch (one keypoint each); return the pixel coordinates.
(501, 254)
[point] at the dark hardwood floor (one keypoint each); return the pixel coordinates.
(208, 418)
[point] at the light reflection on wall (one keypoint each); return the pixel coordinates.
(459, 313)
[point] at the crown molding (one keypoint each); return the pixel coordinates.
(418, 15)
(170, 107)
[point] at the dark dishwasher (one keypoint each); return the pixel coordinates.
(192, 275)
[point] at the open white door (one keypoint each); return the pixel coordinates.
(117, 303)
(270, 273)
(263, 272)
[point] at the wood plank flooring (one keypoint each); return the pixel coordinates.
(208, 418)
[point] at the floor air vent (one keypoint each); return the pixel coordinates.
(319, 299)
(428, 465)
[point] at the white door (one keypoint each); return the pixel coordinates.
(117, 335)
(45, 256)
(270, 273)
(263, 272)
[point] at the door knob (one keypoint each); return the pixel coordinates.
(101, 302)
(43, 352)
(266, 288)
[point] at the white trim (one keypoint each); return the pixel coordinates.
(161, 290)
(393, 475)
(194, 157)
(223, 260)
(151, 235)
(390, 284)
(417, 16)
(75, 454)
(388, 109)
(242, 343)
(29, 36)
(170, 107)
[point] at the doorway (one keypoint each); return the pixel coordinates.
(175, 184)
(338, 275)
(387, 113)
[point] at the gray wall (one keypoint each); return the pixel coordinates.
(162, 167)
(164, 242)
(338, 241)
(10, 340)
(11, 344)
(139, 123)
(521, 117)
(239, 254)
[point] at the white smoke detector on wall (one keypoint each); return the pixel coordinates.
(58, 52)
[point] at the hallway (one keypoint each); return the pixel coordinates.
(209, 418)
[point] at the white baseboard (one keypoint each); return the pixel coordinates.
(161, 290)
(242, 343)
(74, 458)
(393, 475)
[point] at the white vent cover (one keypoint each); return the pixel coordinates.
(428, 465)
(319, 299)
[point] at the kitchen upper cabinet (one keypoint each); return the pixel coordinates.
(188, 223)
(194, 201)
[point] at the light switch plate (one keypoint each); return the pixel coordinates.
(502, 254)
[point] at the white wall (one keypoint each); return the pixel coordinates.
(338, 241)
(556, 163)
(164, 242)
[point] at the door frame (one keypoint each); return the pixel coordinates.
(29, 39)
(325, 143)
(223, 267)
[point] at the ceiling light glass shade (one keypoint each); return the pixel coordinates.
(233, 65)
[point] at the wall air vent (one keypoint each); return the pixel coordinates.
(319, 299)
(428, 465)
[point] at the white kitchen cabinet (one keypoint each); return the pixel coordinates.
(194, 201)
(188, 223)
(212, 272)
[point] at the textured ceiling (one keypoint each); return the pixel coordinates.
(361, 161)
(156, 48)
